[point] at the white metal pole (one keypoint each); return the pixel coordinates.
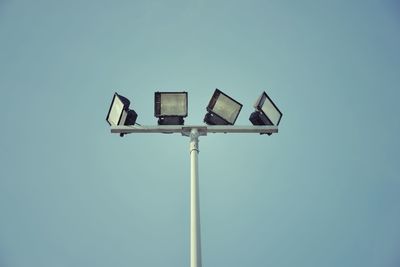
(194, 131)
(195, 240)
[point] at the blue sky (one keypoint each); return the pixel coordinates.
(325, 191)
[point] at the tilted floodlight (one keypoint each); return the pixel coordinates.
(170, 107)
(267, 113)
(222, 109)
(119, 112)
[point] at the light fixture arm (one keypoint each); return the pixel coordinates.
(202, 129)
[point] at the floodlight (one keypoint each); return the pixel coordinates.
(267, 113)
(119, 112)
(222, 109)
(170, 107)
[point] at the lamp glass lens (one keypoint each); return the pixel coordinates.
(272, 113)
(116, 110)
(226, 108)
(173, 105)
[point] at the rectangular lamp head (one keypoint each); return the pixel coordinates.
(170, 107)
(222, 109)
(119, 112)
(267, 113)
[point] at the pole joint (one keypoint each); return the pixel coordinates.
(194, 140)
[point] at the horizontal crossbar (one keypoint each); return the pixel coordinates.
(202, 129)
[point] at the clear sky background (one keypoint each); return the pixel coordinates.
(325, 191)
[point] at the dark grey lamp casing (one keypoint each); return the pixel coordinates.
(222, 109)
(267, 113)
(119, 112)
(170, 107)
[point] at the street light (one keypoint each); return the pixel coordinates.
(119, 112)
(267, 113)
(170, 107)
(222, 114)
(222, 109)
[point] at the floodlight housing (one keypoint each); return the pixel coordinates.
(119, 112)
(170, 107)
(267, 113)
(222, 109)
